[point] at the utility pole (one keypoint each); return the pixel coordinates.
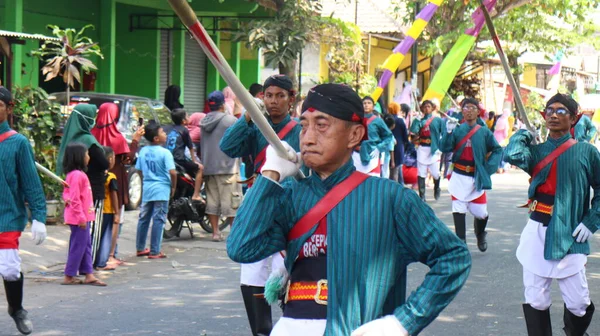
(415, 61)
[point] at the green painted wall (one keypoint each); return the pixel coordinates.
(137, 55)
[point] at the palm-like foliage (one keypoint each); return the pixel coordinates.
(64, 56)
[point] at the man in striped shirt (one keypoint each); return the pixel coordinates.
(554, 243)
(348, 266)
(17, 168)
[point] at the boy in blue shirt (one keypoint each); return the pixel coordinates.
(157, 167)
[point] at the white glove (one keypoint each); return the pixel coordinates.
(283, 166)
(582, 233)
(385, 326)
(38, 232)
(451, 124)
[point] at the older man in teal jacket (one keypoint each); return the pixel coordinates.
(475, 157)
(346, 257)
(554, 243)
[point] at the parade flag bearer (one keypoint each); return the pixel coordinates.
(554, 243)
(475, 157)
(22, 183)
(348, 236)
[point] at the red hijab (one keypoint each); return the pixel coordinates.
(106, 131)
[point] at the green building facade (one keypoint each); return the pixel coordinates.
(144, 45)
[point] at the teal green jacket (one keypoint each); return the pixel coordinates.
(372, 236)
(380, 138)
(437, 128)
(584, 129)
(482, 143)
(243, 138)
(578, 170)
(20, 183)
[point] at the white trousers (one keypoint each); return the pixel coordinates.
(434, 169)
(477, 210)
(298, 327)
(257, 273)
(574, 290)
(10, 264)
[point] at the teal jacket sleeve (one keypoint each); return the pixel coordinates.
(29, 181)
(415, 126)
(238, 139)
(424, 238)
(495, 152)
(592, 219)
(387, 138)
(261, 224)
(448, 142)
(518, 152)
(591, 131)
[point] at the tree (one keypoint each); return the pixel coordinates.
(523, 25)
(62, 58)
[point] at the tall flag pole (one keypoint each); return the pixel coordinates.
(456, 56)
(392, 63)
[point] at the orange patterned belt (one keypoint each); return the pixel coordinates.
(466, 169)
(425, 141)
(537, 206)
(307, 290)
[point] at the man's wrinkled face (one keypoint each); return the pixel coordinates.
(325, 140)
(277, 101)
(368, 106)
(558, 118)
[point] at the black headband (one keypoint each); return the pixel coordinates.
(337, 100)
(469, 101)
(281, 81)
(369, 98)
(5, 95)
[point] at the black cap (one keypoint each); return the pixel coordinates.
(281, 81)
(5, 95)
(566, 100)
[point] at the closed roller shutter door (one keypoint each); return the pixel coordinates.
(195, 77)
(166, 51)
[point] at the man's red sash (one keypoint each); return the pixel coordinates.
(371, 119)
(467, 137)
(7, 135)
(326, 204)
(263, 153)
(553, 156)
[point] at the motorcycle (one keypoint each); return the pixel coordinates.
(183, 211)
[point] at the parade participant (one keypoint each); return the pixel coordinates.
(554, 243)
(242, 139)
(77, 129)
(429, 130)
(317, 221)
(367, 157)
(584, 130)
(470, 144)
(22, 184)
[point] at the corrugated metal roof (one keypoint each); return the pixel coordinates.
(372, 16)
(6, 33)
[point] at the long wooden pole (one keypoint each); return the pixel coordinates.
(190, 20)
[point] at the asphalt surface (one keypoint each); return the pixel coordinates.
(196, 290)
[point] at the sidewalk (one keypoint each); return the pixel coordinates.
(48, 259)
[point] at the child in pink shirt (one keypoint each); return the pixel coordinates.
(79, 211)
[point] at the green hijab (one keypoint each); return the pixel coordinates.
(77, 129)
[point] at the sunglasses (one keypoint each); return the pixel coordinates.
(560, 111)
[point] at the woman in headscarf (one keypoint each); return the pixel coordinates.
(107, 134)
(77, 129)
(229, 100)
(194, 127)
(172, 95)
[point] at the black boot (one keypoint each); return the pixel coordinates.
(258, 310)
(421, 182)
(480, 233)
(575, 325)
(436, 189)
(460, 226)
(538, 321)
(14, 296)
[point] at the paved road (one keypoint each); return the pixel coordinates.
(195, 291)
